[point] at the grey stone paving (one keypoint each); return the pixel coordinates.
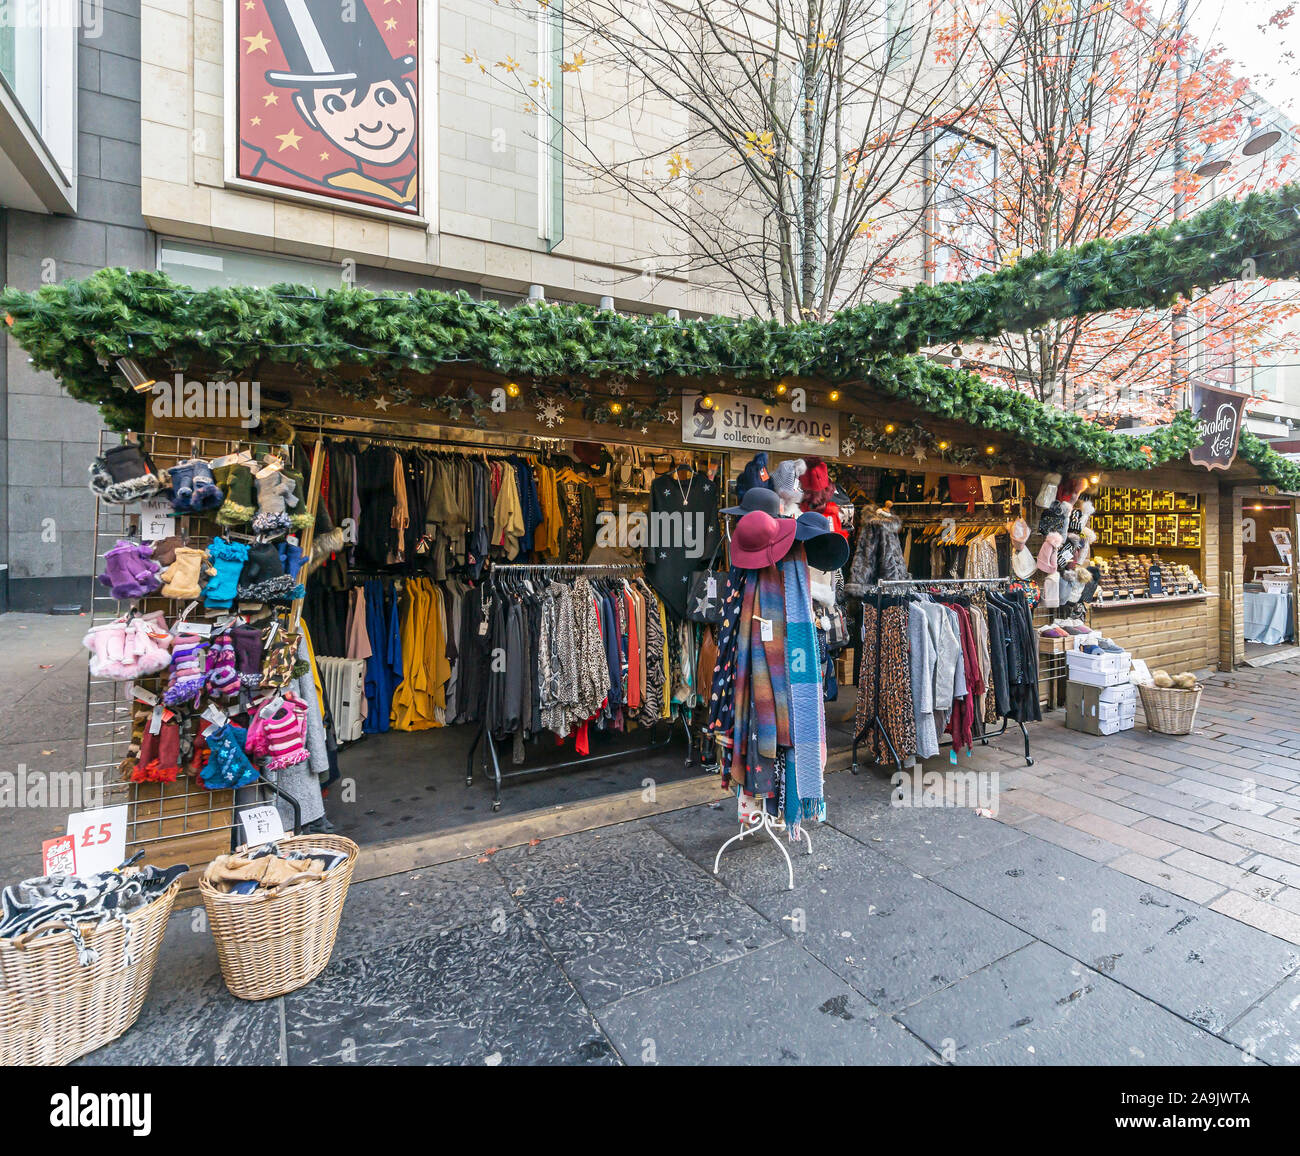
(912, 937)
(1135, 901)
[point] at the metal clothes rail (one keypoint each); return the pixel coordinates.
(876, 723)
(491, 760)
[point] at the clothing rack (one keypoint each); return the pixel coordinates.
(876, 722)
(491, 759)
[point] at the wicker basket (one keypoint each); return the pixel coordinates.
(52, 1009)
(272, 944)
(1170, 710)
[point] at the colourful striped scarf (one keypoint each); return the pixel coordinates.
(806, 759)
(761, 720)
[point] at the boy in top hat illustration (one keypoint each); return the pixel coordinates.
(348, 86)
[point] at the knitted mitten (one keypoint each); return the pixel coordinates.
(237, 482)
(159, 760)
(279, 738)
(189, 670)
(180, 485)
(223, 678)
(247, 641)
(130, 570)
(228, 560)
(192, 488)
(227, 765)
(207, 494)
(124, 473)
(164, 550)
(291, 558)
(181, 578)
(296, 501)
(279, 661)
(272, 491)
(263, 578)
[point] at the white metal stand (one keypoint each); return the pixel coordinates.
(764, 822)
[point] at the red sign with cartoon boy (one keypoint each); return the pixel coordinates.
(328, 98)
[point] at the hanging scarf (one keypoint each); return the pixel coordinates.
(719, 722)
(762, 703)
(806, 758)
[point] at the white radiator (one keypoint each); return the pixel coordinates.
(344, 680)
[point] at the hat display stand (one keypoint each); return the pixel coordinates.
(756, 824)
(876, 723)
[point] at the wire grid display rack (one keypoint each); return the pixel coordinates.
(181, 821)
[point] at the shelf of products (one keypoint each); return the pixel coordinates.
(1128, 576)
(1153, 518)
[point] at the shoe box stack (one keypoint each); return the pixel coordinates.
(1099, 698)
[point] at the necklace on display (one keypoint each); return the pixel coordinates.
(686, 493)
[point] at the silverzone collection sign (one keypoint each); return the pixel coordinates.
(1218, 418)
(728, 422)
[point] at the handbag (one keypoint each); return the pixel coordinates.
(704, 594)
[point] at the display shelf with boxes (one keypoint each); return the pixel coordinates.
(1129, 517)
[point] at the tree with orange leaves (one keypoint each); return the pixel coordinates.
(1104, 119)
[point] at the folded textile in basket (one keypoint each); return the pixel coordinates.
(52, 903)
(269, 867)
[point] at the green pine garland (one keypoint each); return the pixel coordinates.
(76, 329)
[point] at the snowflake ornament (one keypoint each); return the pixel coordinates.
(550, 413)
(618, 388)
(848, 448)
(919, 455)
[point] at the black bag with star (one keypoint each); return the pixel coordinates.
(704, 602)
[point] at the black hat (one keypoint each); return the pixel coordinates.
(322, 49)
(827, 549)
(757, 498)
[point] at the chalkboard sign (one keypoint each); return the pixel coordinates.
(1155, 580)
(1218, 416)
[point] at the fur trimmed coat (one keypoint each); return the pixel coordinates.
(878, 555)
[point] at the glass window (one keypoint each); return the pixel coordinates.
(209, 266)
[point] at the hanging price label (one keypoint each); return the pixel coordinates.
(261, 824)
(100, 838)
(157, 520)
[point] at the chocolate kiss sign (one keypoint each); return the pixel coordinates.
(1218, 416)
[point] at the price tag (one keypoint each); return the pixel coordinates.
(482, 628)
(199, 629)
(100, 838)
(60, 855)
(156, 719)
(215, 715)
(711, 587)
(272, 707)
(261, 824)
(141, 694)
(157, 519)
(764, 628)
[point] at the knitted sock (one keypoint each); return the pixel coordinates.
(188, 672)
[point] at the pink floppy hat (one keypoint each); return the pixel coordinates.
(760, 540)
